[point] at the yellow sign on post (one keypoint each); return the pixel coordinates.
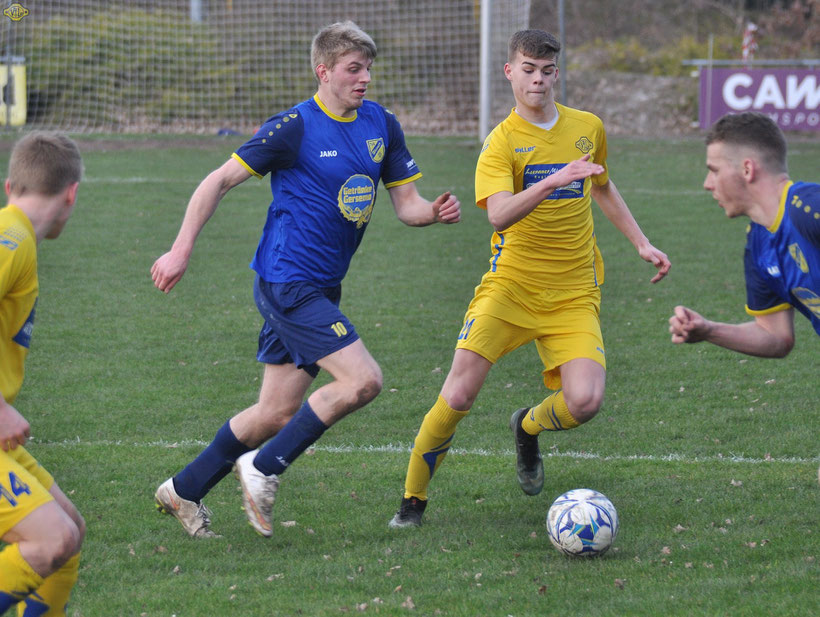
(13, 77)
(13, 88)
(15, 12)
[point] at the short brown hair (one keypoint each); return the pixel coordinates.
(44, 163)
(755, 130)
(533, 44)
(335, 40)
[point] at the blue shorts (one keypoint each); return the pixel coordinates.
(303, 323)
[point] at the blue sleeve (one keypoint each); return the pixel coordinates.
(398, 164)
(806, 215)
(275, 145)
(759, 296)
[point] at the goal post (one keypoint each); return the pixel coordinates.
(499, 20)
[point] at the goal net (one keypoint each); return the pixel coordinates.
(203, 66)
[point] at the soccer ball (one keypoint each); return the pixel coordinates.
(582, 522)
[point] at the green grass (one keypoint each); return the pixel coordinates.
(710, 457)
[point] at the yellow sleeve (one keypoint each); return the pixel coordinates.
(600, 154)
(494, 169)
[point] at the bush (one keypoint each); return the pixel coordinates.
(123, 65)
(629, 55)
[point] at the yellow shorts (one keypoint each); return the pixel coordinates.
(24, 486)
(564, 323)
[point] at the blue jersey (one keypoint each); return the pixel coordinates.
(782, 263)
(325, 171)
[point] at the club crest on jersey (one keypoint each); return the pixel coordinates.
(799, 258)
(584, 144)
(375, 148)
(356, 199)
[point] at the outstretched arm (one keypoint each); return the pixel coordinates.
(616, 210)
(412, 209)
(768, 336)
(168, 269)
(505, 209)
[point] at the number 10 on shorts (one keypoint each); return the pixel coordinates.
(339, 329)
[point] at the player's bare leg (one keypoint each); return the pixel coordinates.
(583, 382)
(281, 393)
(578, 401)
(357, 379)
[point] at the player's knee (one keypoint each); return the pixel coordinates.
(460, 398)
(71, 510)
(368, 385)
(61, 543)
(460, 393)
(584, 405)
(79, 521)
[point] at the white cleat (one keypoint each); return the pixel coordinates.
(258, 493)
(195, 517)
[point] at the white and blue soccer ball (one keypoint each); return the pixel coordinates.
(582, 523)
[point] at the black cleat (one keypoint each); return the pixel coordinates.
(409, 514)
(529, 465)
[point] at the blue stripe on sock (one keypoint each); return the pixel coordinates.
(7, 601)
(34, 607)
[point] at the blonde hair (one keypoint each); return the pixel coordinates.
(44, 163)
(336, 40)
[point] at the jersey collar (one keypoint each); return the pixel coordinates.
(781, 209)
(330, 113)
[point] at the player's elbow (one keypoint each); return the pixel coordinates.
(783, 347)
(775, 346)
(499, 222)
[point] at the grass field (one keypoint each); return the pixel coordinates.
(710, 457)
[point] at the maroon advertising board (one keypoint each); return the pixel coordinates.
(791, 97)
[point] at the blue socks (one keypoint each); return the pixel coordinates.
(303, 430)
(213, 463)
(217, 459)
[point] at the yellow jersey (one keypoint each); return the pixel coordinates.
(554, 245)
(18, 295)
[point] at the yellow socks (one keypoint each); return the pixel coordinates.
(17, 579)
(430, 447)
(551, 415)
(33, 594)
(51, 598)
